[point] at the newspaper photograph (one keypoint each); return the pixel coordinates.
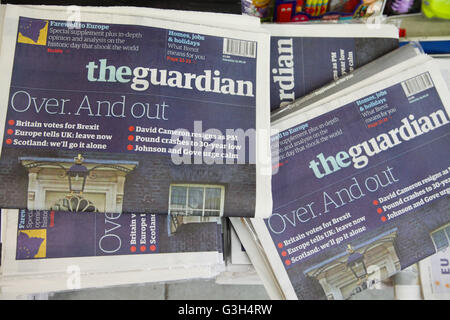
(362, 186)
(113, 113)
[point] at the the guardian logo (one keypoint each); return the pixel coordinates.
(283, 75)
(141, 78)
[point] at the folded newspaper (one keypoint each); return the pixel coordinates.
(107, 112)
(361, 183)
(304, 57)
(45, 251)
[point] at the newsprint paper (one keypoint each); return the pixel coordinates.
(362, 185)
(304, 57)
(109, 113)
(46, 251)
(435, 274)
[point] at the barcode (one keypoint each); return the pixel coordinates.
(417, 84)
(239, 47)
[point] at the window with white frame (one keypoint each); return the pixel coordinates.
(441, 237)
(196, 199)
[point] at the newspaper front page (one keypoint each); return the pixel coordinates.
(362, 185)
(133, 114)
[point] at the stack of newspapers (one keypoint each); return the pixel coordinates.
(360, 186)
(143, 146)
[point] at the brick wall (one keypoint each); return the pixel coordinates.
(413, 243)
(147, 187)
(190, 237)
(13, 180)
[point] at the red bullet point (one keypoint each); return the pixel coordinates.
(379, 210)
(11, 122)
(284, 253)
(287, 262)
(133, 249)
(280, 245)
(383, 218)
(10, 131)
(131, 128)
(8, 141)
(130, 147)
(375, 202)
(143, 248)
(130, 138)
(152, 247)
